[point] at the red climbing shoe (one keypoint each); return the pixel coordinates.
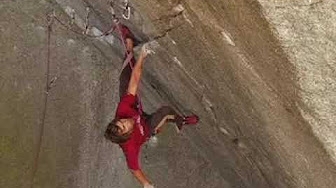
(186, 120)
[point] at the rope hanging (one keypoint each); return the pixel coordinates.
(51, 18)
(116, 25)
(48, 86)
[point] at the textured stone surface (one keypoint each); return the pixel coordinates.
(307, 32)
(260, 74)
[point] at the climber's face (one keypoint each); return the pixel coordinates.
(125, 126)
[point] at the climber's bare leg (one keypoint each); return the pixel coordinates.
(160, 117)
(163, 122)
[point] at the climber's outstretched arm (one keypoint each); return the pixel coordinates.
(136, 73)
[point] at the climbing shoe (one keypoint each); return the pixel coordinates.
(185, 120)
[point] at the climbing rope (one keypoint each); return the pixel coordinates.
(48, 86)
(51, 18)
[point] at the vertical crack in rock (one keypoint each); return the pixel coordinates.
(209, 108)
(175, 18)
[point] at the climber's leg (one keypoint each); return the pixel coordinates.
(158, 118)
(166, 113)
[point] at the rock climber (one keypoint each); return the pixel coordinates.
(132, 127)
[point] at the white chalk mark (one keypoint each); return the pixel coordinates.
(179, 8)
(109, 39)
(178, 62)
(151, 46)
(185, 16)
(187, 73)
(86, 50)
(227, 37)
(209, 107)
(71, 41)
(96, 31)
(70, 12)
(224, 131)
(153, 141)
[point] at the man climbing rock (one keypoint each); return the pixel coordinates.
(131, 127)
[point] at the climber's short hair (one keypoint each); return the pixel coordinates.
(112, 133)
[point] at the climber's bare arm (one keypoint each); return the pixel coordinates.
(136, 73)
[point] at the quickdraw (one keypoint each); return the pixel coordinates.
(48, 86)
(127, 11)
(87, 20)
(126, 14)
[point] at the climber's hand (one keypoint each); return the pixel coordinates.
(148, 186)
(145, 50)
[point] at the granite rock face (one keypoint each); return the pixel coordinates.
(260, 74)
(306, 30)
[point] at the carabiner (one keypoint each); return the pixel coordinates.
(127, 11)
(87, 21)
(73, 16)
